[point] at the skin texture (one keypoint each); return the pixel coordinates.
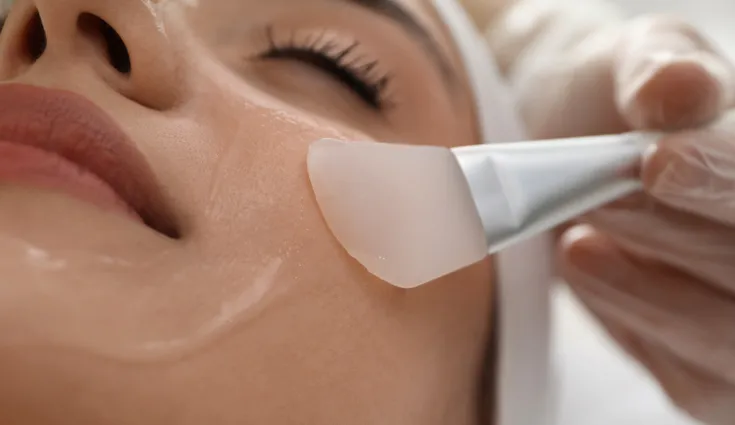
(256, 314)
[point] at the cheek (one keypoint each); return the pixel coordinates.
(256, 196)
(252, 209)
(253, 206)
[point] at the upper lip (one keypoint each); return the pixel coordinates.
(71, 126)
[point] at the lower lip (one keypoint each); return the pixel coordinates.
(25, 165)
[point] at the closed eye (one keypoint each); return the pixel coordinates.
(356, 74)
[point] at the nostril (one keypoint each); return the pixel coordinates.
(35, 38)
(117, 52)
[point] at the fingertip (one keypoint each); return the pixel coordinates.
(675, 163)
(655, 160)
(691, 171)
(575, 235)
(669, 76)
(584, 252)
(673, 92)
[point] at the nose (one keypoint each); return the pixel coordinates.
(121, 43)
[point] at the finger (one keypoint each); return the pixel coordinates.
(695, 171)
(669, 77)
(649, 229)
(665, 306)
(704, 395)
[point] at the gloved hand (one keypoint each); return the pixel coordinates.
(658, 268)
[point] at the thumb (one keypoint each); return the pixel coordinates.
(669, 77)
(695, 171)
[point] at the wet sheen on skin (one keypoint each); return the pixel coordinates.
(256, 315)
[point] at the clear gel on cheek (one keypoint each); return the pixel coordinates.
(115, 292)
(404, 212)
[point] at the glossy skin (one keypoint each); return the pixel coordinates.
(256, 314)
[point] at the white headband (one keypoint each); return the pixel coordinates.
(523, 394)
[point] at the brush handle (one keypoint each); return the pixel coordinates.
(526, 188)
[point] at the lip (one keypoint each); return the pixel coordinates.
(70, 126)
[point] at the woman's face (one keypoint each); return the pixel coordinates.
(233, 304)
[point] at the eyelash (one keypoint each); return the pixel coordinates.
(358, 74)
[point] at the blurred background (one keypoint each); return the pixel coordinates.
(599, 385)
(714, 17)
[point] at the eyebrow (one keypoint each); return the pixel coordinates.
(392, 10)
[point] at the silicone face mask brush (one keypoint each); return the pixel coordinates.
(411, 214)
(404, 212)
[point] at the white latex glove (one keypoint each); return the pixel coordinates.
(657, 269)
(649, 73)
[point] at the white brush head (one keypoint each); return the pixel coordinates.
(404, 212)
